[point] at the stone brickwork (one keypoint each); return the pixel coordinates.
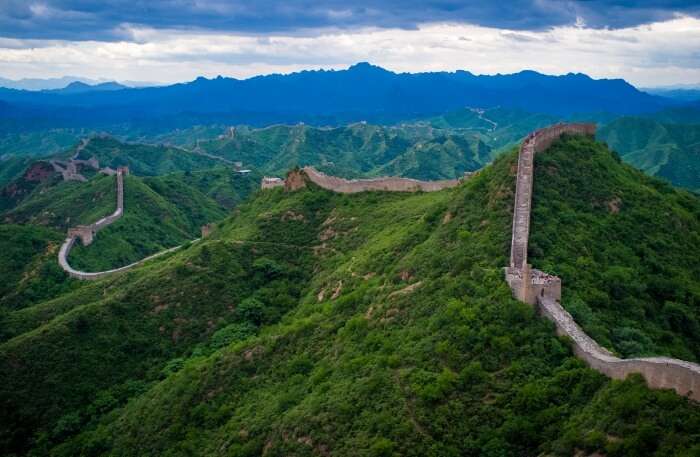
(389, 183)
(296, 179)
(535, 142)
(659, 372)
(538, 288)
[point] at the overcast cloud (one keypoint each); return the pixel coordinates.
(647, 42)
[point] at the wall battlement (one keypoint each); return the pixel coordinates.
(538, 288)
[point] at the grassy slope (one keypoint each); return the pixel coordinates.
(66, 204)
(155, 218)
(160, 212)
(220, 184)
(371, 324)
(28, 266)
(12, 168)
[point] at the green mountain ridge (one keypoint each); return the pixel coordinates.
(314, 323)
(161, 212)
(669, 151)
(354, 150)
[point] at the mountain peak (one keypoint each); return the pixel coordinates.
(366, 67)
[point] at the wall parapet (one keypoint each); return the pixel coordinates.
(538, 288)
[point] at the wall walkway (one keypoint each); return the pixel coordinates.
(536, 287)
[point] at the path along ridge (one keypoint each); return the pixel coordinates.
(538, 288)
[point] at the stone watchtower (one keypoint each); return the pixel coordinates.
(84, 232)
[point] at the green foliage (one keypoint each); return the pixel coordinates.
(28, 266)
(144, 159)
(415, 151)
(370, 324)
(667, 150)
(625, 247)
(160, 212)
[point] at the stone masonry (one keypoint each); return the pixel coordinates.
(538, 288)
(295, 180)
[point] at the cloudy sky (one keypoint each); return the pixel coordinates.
(649, 43)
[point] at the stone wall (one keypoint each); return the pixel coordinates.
(390, 183)
(536, 287)
(268, 182)
(296, 179)
(659, 372)
(87, 232)
(535, 142)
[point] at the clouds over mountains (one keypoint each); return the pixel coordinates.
(112, 20)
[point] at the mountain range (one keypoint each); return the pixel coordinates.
(361, 92)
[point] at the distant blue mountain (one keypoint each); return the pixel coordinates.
(362, 92)
(78, 87)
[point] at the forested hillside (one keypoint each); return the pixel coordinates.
(416, 151)
(313, 323)
(161, 212)
(623, 244)
(669, 151)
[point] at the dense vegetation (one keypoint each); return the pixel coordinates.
(670, 151)
(143, 159)
(314, 323)
(625, 246)
(28, 266)
(156, 217)
(417, 151)
(161, 212)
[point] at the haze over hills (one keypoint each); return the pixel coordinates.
(670, 151)
(362, 92)
(41, 84)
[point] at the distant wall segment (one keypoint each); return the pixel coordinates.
(296, 179)
(86, 233)
(538, 288)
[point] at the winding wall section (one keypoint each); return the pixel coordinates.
(536, 287)
(87, 232)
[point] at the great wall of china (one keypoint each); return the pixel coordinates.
(86, 233)
(538, 288)
(528, 285)
(351, 186)
(294, 180)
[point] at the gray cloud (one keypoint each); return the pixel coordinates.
(105, 19)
